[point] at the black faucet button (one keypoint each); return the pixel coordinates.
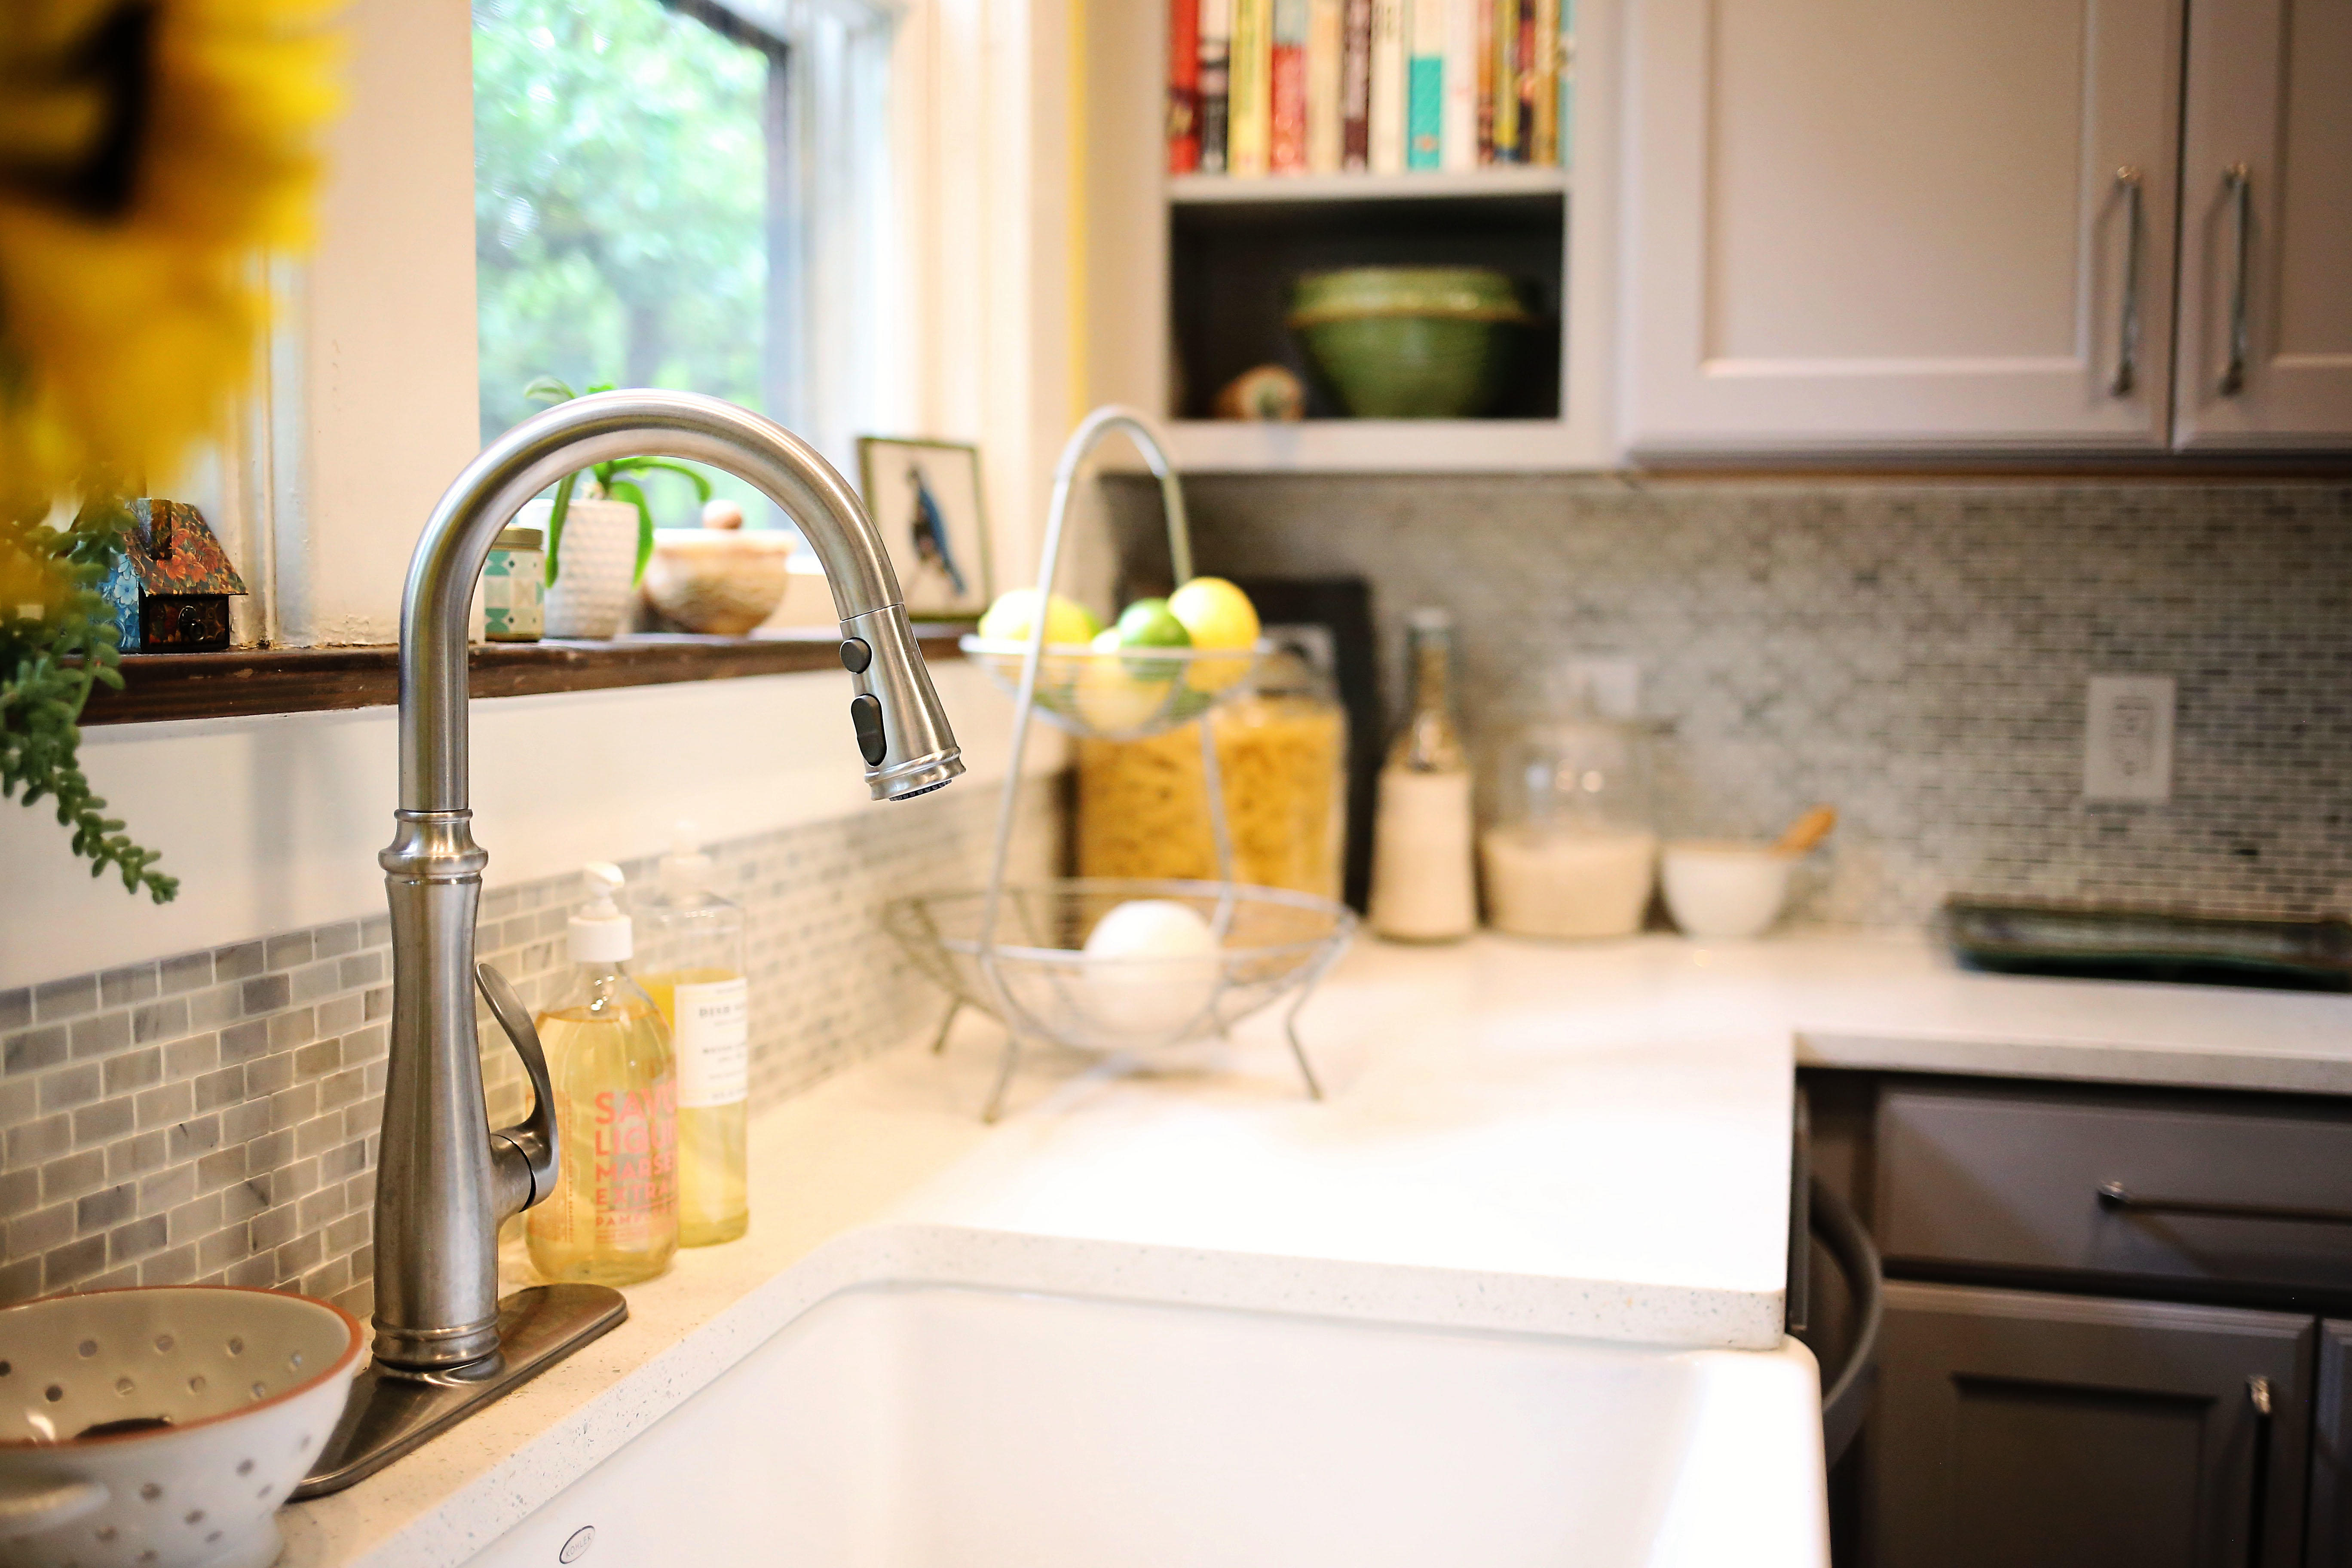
(856, 656)
(865, 716)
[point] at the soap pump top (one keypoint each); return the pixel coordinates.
(599, 931)
(687, 870)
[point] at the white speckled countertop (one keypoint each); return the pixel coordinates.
(1585, 1141)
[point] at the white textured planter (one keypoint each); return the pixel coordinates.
(598, 559)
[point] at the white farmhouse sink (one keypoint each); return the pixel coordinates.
(945, 1428)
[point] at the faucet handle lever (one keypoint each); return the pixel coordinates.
(533, 1141)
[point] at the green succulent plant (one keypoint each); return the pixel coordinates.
(58, 641)
(612, 478)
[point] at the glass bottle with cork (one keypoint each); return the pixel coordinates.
(695, 939)
(1424, 885)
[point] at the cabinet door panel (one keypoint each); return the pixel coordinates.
(1861, 223)
(2331, 1451)
(2029, 1429)
(2270, 87)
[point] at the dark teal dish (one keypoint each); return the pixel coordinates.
(2147, 945)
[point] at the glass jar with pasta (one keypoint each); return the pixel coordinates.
(1282, 748)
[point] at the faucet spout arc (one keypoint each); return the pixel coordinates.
(537, 453)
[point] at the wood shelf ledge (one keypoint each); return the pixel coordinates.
(254, 682)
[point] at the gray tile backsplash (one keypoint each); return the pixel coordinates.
(214, 1116)
(1914, 652)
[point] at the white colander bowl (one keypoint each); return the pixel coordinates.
(163, 1427)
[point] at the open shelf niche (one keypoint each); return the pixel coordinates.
(1189, 276)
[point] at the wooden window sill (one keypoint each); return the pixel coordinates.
(246, 682)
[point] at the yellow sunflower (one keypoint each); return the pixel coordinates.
(150, 152)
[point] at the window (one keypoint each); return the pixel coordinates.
(686, 194)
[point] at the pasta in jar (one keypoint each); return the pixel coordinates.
(1282, 751)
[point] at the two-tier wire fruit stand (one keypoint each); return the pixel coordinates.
(1016, 951)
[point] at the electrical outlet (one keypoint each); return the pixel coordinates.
(2127, 738)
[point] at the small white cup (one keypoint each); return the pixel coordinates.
(1725, 890)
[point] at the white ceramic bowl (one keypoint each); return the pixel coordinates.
(1725, 890)
(717, 580)
(163, 1427)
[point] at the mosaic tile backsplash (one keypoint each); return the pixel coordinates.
(213, 1117)
(1914, 653)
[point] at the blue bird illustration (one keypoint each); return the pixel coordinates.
(931, 531)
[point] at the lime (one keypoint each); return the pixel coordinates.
(1150, 622)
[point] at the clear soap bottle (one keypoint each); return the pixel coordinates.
(694, 940)
(1424, 887)
(613, 1217)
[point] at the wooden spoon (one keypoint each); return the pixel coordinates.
(1807, 831)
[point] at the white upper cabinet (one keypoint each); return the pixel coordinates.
(2267, 229)
(1873, 225)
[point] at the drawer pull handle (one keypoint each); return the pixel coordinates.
(2128, 180)
(2239, 183)
(2116, 1196)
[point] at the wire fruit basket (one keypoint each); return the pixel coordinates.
(1017, 954)
(1125, 695)
(1274, 943)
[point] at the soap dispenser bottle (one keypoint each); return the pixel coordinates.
(694, 943)
(613, 1217)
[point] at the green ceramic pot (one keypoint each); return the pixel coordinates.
(1411, 342)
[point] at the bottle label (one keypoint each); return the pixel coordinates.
(634, 1153)
(713, 1037)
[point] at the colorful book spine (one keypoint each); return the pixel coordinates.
(1543, 138)
(1527, 78)
(1249, 128)
(1486, 45)
(1286, 79)
(1216, 83)
(1388, 106)
(1507, 81)
(1325, 44)
(1566, 95)
(1458, 134)
(1183, 85)
(1568, 100)
(1356, 84)
(1424, 113)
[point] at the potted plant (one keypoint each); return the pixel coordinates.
(597, 543)
(58, 640)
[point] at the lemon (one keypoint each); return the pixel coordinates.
(1014, 616)
(1109, 696)
(1215, 614)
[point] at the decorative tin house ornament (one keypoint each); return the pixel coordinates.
(171, 586)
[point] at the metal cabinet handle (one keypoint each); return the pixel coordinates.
(2239, 180)
(2258, 1395)
(2128, 181)
(2116, 1196)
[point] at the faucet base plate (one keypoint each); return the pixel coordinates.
(393, 1410)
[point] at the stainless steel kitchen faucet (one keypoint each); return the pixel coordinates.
(445, 1342)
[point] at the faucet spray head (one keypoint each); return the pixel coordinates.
(902, 731)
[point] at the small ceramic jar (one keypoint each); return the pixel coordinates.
(514, 587)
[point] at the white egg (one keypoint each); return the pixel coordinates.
(1152, 967)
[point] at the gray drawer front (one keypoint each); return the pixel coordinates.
(2006, 1178)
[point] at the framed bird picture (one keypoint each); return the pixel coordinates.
(925, 498)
